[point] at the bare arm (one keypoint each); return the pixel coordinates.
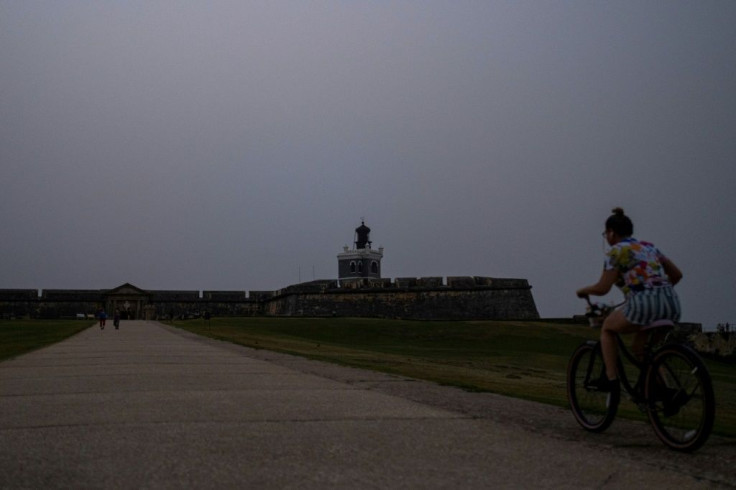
(673, 272)
(604, 284)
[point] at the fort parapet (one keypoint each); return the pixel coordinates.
(423, 298)
(426, 298)
(18, 294)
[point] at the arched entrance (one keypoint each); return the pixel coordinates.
(127, 299)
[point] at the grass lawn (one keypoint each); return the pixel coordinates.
(20, 336)
(520, 359)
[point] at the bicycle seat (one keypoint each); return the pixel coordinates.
(659, 324)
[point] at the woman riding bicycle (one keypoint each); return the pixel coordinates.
(645, 276)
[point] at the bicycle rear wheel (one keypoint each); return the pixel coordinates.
(593, 409)
(681, 403)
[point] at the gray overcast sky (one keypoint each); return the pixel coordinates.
(236, 145)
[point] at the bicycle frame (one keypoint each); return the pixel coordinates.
(624, 355)
(666, 380)
(636, 390)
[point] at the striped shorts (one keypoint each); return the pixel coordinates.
(660, 303)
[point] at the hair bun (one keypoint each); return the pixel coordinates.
(618, 211)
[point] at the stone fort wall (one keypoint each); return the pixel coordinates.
(460, 298)
(427, 298)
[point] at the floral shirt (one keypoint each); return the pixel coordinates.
(639, 265)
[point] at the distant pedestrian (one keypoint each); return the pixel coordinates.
(102, 317)
(116, 319)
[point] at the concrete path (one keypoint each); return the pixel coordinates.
(149, 406)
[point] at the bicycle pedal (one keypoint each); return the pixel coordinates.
(641, 405)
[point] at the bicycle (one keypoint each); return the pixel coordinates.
(672, 385)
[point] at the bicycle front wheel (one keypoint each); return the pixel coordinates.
(681, 403)
(593, 409)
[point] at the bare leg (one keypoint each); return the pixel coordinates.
(615, 323)
(638, 344)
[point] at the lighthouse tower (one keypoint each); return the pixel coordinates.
(361, 261)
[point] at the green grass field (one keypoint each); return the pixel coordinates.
(519, 359)
(20, 336)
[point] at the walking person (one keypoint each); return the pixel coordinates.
(102, 317)
(116, 319)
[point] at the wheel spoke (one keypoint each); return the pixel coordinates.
(681, 401)
(593, 408)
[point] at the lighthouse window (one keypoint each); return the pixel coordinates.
(360, 266)
(352, 266)
(374, 267)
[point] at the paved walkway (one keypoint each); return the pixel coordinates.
(148, 406)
